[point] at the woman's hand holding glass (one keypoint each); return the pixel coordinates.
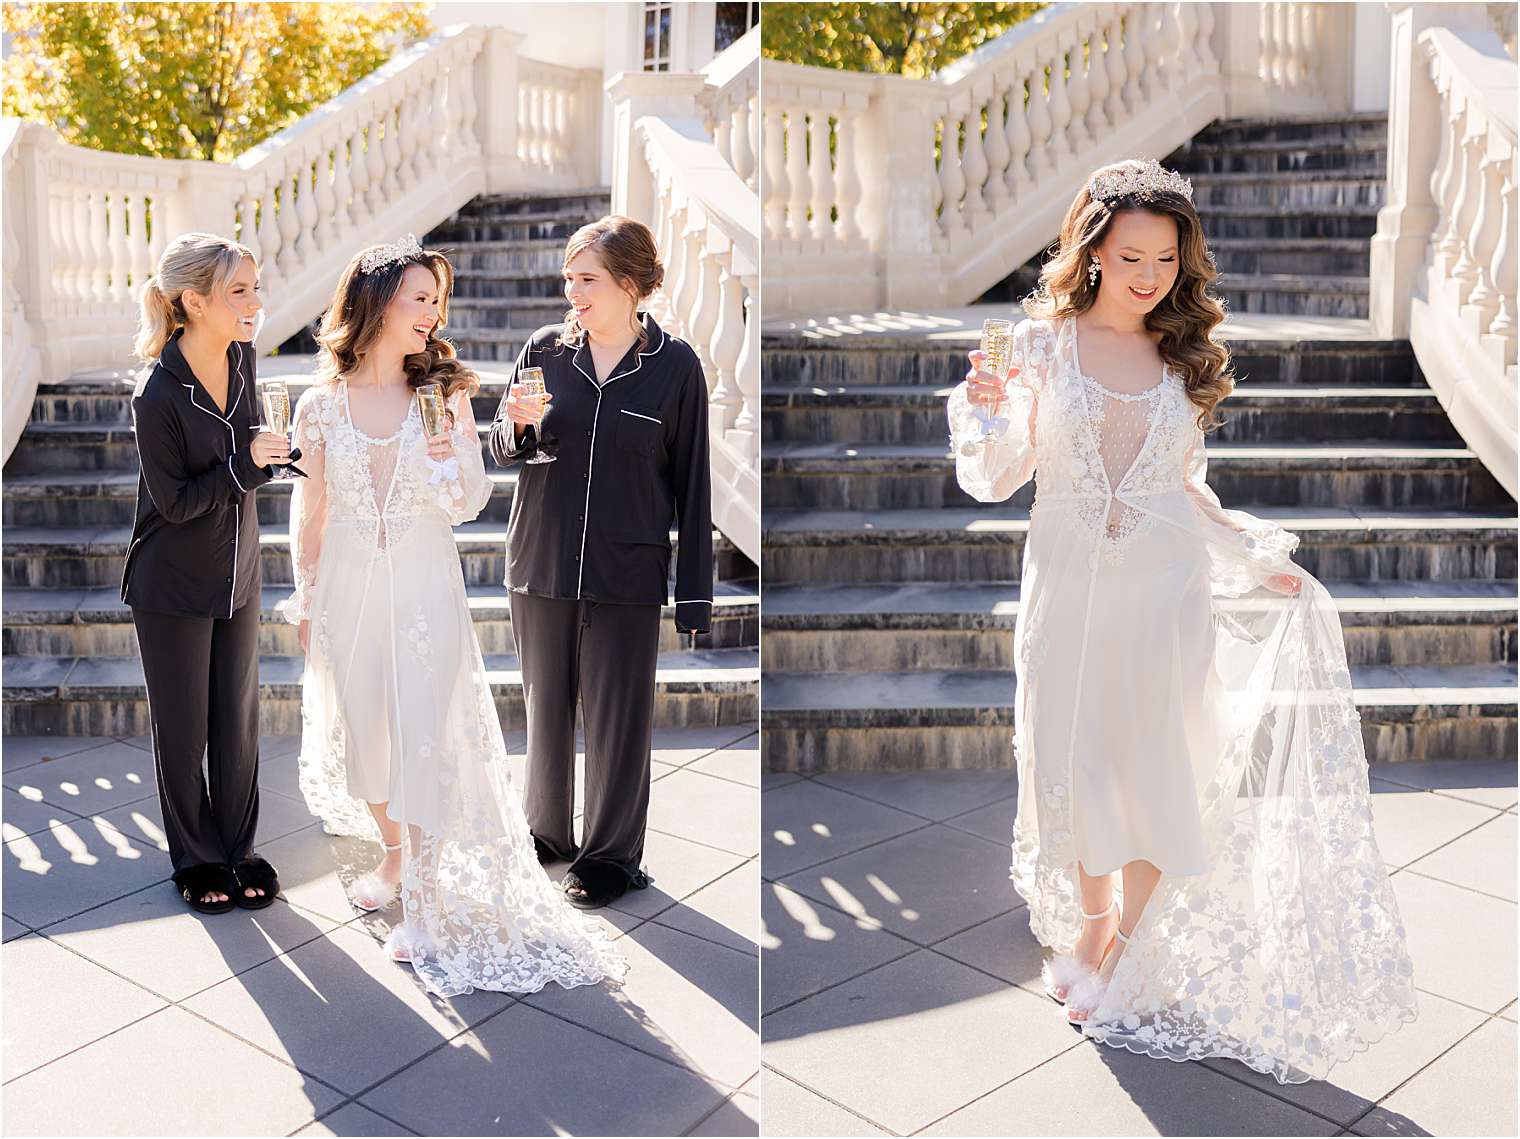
(525, 409)
(269, 449)
(983, 389)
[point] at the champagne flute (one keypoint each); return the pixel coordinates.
(277, 416)
(533, 380)
(430, 404)
(997, 352)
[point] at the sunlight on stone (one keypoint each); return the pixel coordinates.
(295, 970)
(150, 830)
(114, 838)
(822, 830)
(69, 788)
(27, 853)
(768, 940)
(801, 912)
(884, 890)
(27, 791)
(847, 902)
(72, 843)
(133, 777)
(784, 838)
(102, 782)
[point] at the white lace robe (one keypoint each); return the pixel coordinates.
(1160, 677)
(394, 676)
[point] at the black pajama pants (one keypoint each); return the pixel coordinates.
(202, 675)
(603, 654)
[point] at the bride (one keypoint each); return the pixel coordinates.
(1184, 716)
(399, 729)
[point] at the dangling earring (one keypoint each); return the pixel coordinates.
(1093, 270)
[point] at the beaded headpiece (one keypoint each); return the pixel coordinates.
(384, 255)
(1140, 181)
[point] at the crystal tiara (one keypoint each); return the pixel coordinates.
(1140, 181)
(383, 255)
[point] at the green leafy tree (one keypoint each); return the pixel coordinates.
(196, 80)
(888, 38)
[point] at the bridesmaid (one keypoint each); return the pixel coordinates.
(192, 576)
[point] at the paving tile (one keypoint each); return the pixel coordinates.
(1096, 1090)
(17, 752)
(933, 794)
(790, 1109)
(151, 937)
(1426, 1104)
(808, 947)
(1410, 824)
(727, 911)
(315, 866)
(739, 1116)
(508, 1077)
(38, 974)
(685, 1000)
(1356, 1084)
(1489, 782)
(354, 1119)
(993, 822)
(807, 823)
(13, 928)
(769, 780)
(1003, 947)
(25, 812)
(339, 1009)
(1482, 860)
(134, 1083)
(924, 885)
(144, 820)
(89, 781)
(739, 763)
(72, 867)
(281, 774)
(680, 868)
(703, 739)
(715, 812)
(1462, 943)
(937, 1033)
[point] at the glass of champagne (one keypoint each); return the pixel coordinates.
(997, 352)
(430, 405)
(533, 380)
(277, 416)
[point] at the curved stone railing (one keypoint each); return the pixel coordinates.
(399, 151)
(1444, 258)
(731, 106)
(884, 191)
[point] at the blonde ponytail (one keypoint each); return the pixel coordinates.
(200, 262)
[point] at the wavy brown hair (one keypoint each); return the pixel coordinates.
(1186, 317)
(353, 321)
(626, 250)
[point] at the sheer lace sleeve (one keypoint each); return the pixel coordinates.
(467, 488)
(994, 449)
(308, 504)
(1266, 542)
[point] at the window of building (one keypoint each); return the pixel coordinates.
(657, 36)
(732, 21)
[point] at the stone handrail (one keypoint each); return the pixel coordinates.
(1444, 258)
(884, 191)
(731, 104)
(399, 151)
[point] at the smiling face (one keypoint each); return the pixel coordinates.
(1139, 256)
(412, 314)
(602, 305)
(231, 311)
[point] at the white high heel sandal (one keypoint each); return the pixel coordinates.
(1063, 971)
(404, 940)
(372, 892)
(1088, 993)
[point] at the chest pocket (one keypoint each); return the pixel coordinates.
(639, 431)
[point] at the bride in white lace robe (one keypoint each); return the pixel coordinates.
(1154, 662)
(395, 687)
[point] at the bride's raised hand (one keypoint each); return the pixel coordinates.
(1285, 583)
(440, 448)
(983, 389)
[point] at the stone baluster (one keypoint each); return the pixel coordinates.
(84, 277)
(722, 127)
(727, 342)
(1019, 182)
(247, 214)
(325, 199)
(462, 86)
(358, 179)
(1154, 40)
(847, 158)
(562, 121)
(408, 115)
(1485, 235)
(1060, 111)
(374, 159)
(973, 165)
(1096, 123)
(774, 185)
(140, 263)
(996, 192)
(308, 172)
(747, 372)
(1466, 270)
(1040, 125)
(100, 249)
(821, 175)
(1448, 172)
(57, 244)
(684, 287)
(1188, 61)
(290, 225)
(116, 242)
(1118, 71)
(391, 149)
(1503, 268)
(702, 317)
(797, 180)
(343, 188)
(1134, 59)
(1078, 96)
(1205, 38)
(743, 154)
(270, 238)
(952, 181)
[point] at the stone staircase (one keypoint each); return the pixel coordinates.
(70, 653)
(890, 596)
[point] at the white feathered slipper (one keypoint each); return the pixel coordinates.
(404, 941)
(373, 892)
(1087, 994)
(1063, 970)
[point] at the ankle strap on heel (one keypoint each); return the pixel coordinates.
(391, 845)
(1103, 913)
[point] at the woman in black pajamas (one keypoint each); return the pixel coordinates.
(588, 547)
(192, 573)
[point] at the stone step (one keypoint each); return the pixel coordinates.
(535, 226)
(53, 558)
(526, 256)
(890, 476)
(1366, 155)
(1316, 257)
(502, 283)
(1254, 413)
(987, 544)
(81, 697)
(469, 314)
(962, 625)
(494, 345)
(1271, 222)
(94, 623)
(943, 719)
(591, 203)
(790, 359)
(1299, 294)
(1324, 130)
(1301, 190)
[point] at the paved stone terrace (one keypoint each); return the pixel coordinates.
(901, 990)
(125, 1013)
